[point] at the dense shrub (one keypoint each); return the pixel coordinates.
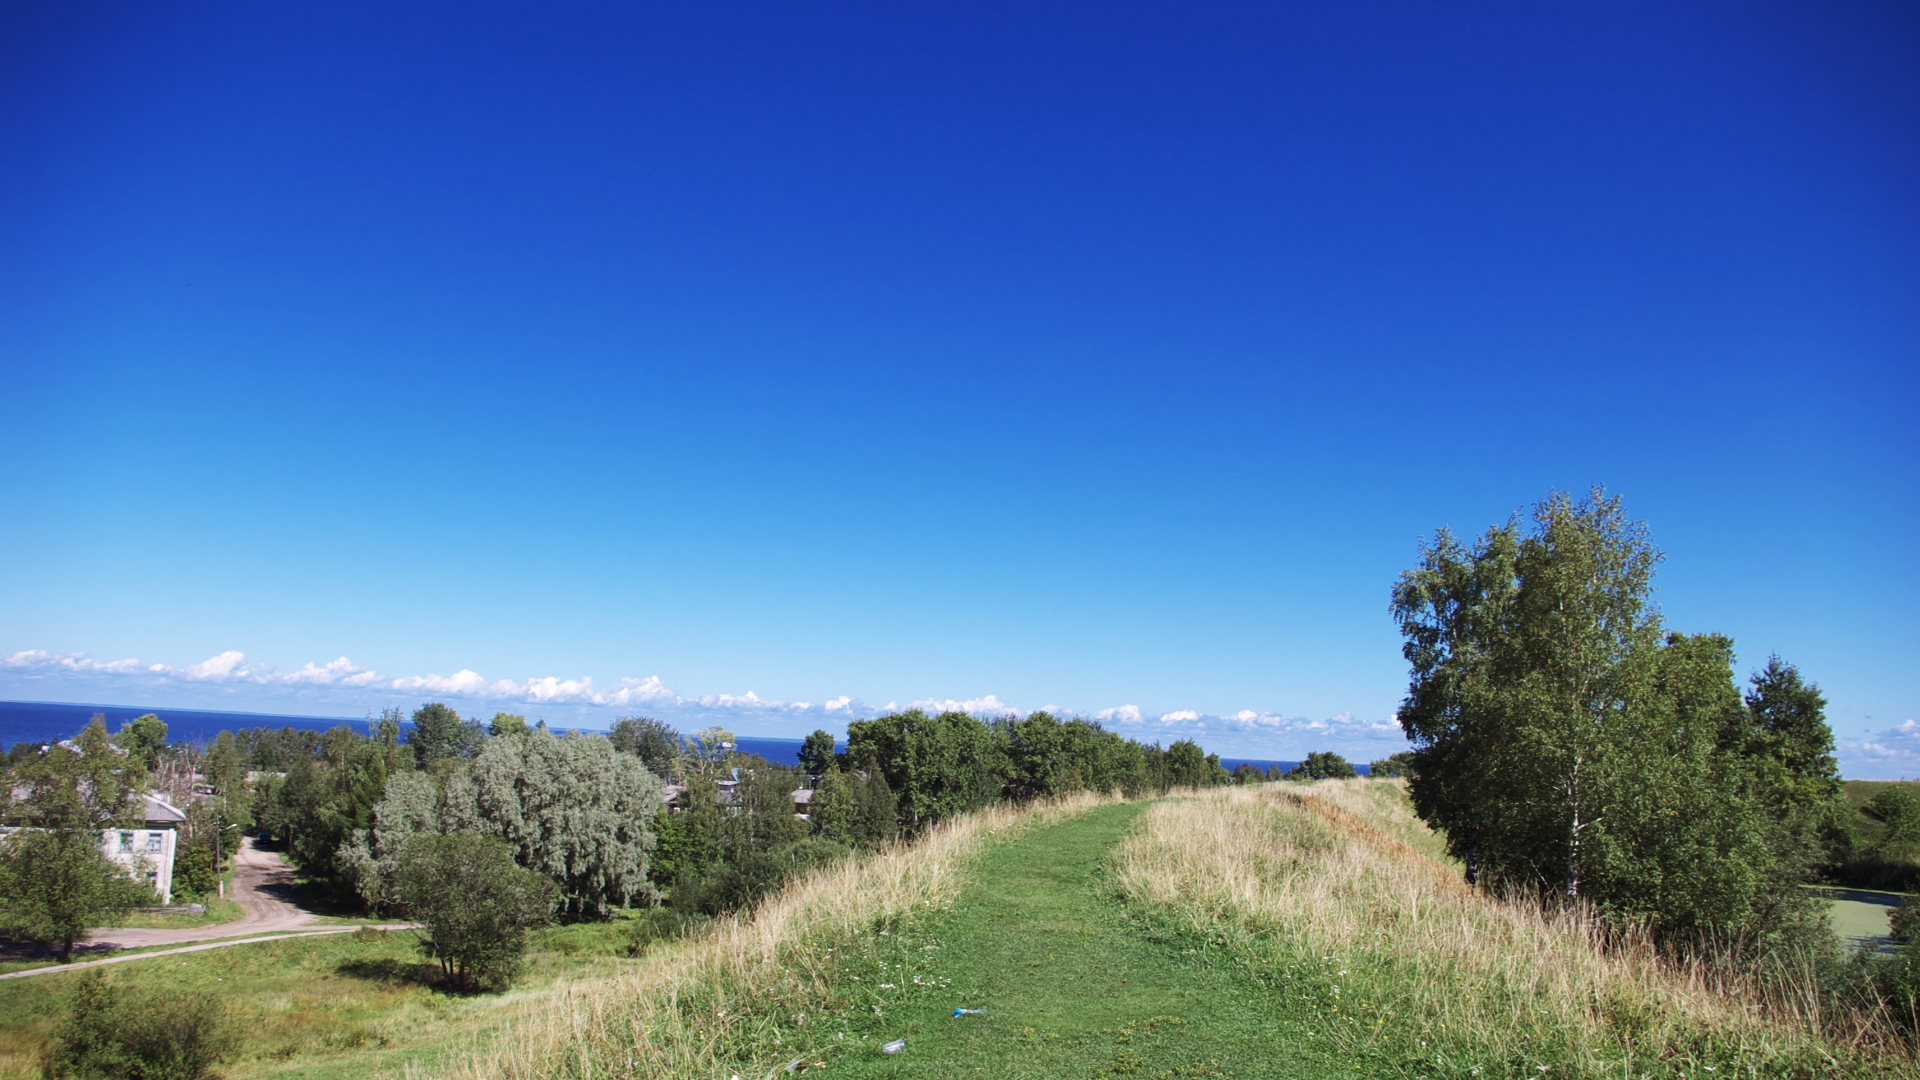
(1905, 920)
(1322, 765)
(109, 1034)
(478, 905)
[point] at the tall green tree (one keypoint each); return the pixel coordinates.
(143, 737)
(55, 884)
(1322, 765)
(654, 742)
(816, 753)
(440, 733)
(935, 766)
(1565, 742)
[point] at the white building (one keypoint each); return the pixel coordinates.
(146, 852)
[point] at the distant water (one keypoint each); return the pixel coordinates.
(43, 721)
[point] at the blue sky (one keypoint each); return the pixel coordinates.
(1105, 357)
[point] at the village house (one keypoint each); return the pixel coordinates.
(145, 853)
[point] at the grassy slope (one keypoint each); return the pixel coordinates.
(1071, 987)
(1895, 867)
(1332, 893)
(345, 1005)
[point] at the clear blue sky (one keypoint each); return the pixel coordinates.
(1090, 356)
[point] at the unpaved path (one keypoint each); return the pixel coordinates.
(262, 886)
(30, 972)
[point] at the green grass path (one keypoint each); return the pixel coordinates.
(1071, 988)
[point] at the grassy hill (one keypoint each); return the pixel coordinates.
(1272, 931)
(1283, 930)
(1874, 864)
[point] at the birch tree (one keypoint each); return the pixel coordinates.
(1563, 742)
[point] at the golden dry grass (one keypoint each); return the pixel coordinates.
(1340, 895)
(746, 995)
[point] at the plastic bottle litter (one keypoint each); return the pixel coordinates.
(969, 1012)
(894, 1047)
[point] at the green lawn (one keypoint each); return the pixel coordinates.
(1071, 987)
(218, 911)
(342, 1005)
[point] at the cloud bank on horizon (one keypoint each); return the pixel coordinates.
(230, 680)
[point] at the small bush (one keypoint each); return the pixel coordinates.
(650, 925)
(476, 902)
(110, 1035)
(1322, 765)
(1906, 920)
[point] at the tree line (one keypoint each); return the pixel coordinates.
(372, 819)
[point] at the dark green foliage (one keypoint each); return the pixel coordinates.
(1905, 920)
(1391, 766)
(742, 882)
(654, 742)
(276, 749)
(193, 874)
(439, 733)
(688, 844)
(1186, 765)
(55, 883)
(1248, 773)
(505, 724)
(816, 753)
(1566, 743)
(935, 766)
(143, 737)
(1322, 765)
(110, 1034)
(91, 786)
(1899, 810)
(1045, 755)
(477, 904)
(325, 799)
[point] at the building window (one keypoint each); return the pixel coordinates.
(153, 841)
(126, 841)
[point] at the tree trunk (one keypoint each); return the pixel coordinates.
(1573, 834)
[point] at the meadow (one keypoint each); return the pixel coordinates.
(1277, 930)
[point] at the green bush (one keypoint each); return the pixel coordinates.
(1899, 809)
(477, 903)
(1322, 765)
(110, 1035)
(1906, 920)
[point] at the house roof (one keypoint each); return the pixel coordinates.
(161, 812)
(802, 796)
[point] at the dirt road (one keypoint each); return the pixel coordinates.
(262, 886)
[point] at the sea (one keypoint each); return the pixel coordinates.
(51, 721)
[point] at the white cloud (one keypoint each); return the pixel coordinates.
(988, 704)
(341, 672)
(230, 678)
(32, 660)
(227, 665)
(463, 683)
(639, 692)
(1892, 754)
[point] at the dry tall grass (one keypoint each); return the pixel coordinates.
(748, 995)
(1337, 893)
